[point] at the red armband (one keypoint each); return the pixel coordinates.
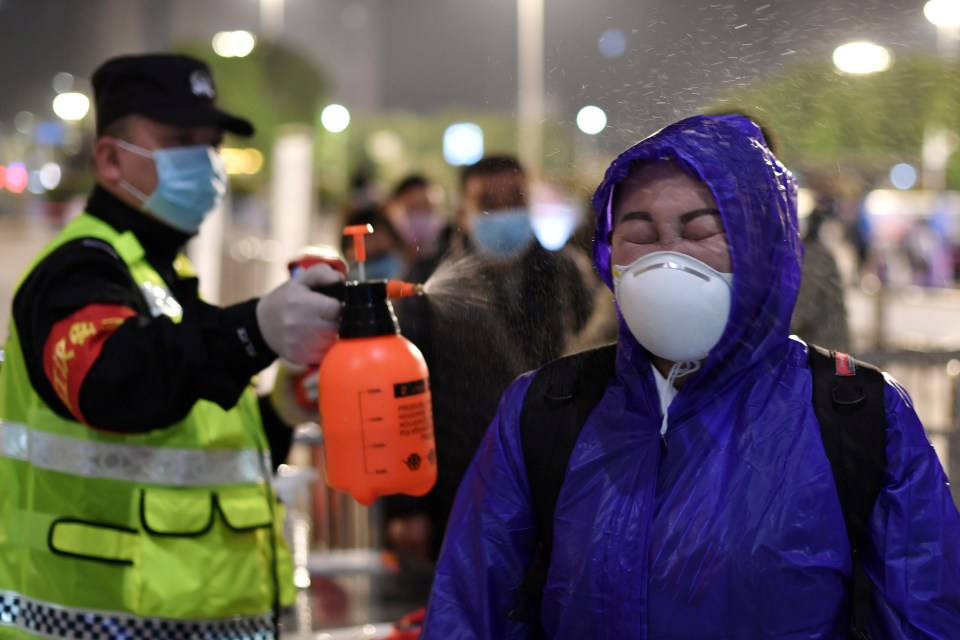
(74, 344)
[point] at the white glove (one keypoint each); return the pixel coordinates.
(297, 323)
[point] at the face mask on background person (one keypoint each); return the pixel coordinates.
(419, 229)
(674, 305)
(191, 182)
(503, 234)
(382, 267)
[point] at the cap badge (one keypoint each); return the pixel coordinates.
(202, 84)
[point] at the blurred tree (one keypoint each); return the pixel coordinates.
(273, 86)
(822, 117)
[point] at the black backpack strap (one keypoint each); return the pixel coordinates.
(556, 406)
(848, 401)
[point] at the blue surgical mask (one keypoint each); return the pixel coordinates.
(382, 267)
(191, 182)
(503, 234)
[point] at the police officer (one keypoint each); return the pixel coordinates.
(134, 455)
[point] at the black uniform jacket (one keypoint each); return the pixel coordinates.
(150, 371)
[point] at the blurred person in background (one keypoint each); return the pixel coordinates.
(697, 499)
(513, 306)
(135, 455)
(820, 315)
(929, 254)
(415, 213)
(541, 294)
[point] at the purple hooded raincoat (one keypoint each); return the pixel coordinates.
(732, 527)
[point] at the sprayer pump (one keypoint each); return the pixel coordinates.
(375, 402)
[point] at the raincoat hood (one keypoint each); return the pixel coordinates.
(757, 199)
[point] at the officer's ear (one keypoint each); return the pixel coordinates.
(106, 158)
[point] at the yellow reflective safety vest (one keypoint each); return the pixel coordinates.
(174, 533)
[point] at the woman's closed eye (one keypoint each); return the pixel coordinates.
(703, 226)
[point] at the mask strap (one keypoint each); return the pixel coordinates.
(678, 370)
(126, 186)
(136, 193)
(132, 148)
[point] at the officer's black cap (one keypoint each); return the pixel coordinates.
(173, 89)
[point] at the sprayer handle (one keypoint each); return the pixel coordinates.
(336, 290)
(396, 289)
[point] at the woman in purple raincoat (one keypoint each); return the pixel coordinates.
(698, 501)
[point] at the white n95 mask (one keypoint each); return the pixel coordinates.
(674, 305)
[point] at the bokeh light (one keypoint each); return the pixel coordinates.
(23, 122)
(862, 57)
(903, 176)
(63, 82)
(335, 118)
(49, 133)
(553, 223)
(246, 162)
(591, 120)
(50, 176)
(953, 368)
(384, 145)
(462, 144)
(71, 106)
(34, 184)
(943, 13)
(17, 177)
(612, 43)
(233, 44)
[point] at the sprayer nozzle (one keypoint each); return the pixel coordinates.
(397, 289)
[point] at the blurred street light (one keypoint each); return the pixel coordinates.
(71, 106)
(862, 58)
(591, 120)
(233, 44)
(335, 118)
(945, 15)
(462, 144)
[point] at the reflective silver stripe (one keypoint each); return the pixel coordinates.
(160, 300)
(49, 620)
(133, 463)
(13, 440)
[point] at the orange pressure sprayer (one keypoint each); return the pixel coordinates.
(375, 405)
(324, 254)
